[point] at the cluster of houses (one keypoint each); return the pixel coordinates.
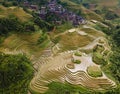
(31, 6)
(57, 9)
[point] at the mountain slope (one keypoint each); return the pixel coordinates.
(16, 11)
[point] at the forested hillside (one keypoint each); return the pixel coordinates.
(15, 74)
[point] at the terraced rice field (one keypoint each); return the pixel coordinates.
(55, 69)
(71, 41)
(109, 3)
(60, 67)
(27, 43)
(18, 12)
(79, 37)
(92, 31)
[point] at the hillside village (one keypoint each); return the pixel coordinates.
(58, 10)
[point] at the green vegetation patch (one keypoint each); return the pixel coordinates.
(64, 27)
(99, 49)
(42, 38)
(99, 59)
(66, 88)
(77, 61)
(94, 71)
(78, 54)
(16, 71)
(12, 23)
(102, 28)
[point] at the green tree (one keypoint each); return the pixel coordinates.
(10, 24)
(43, 24)
(116, 37)
(110, 15)
(42, 38)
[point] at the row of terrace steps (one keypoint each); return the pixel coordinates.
(41, 61)
(37, 62)
(82, 78)
(38, 88)
(48, 52)
(62, 73)
(39, 82)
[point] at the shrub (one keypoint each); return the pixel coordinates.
(42, 38)
(78, 54)
(77, 61)
(99, 59)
